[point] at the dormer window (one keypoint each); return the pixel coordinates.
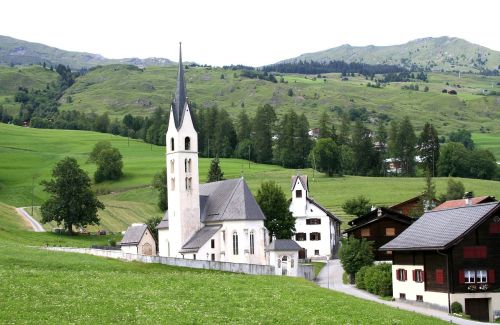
(187, 143)
(298, 193)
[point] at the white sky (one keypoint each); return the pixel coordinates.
(251, 32)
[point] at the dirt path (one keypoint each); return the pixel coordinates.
(37, 227)
(331, 277)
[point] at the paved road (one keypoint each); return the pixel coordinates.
(37, 227)
(331, 277)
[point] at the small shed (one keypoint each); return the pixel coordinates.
(283, 254)
(138, 240)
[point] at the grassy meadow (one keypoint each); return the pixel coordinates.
(121, 89)
(28, 156)
(46, 287)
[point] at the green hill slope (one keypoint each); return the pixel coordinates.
(28, 153)
(121, 89)
(19, 52)
(441, 53)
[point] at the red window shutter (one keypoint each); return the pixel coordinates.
(461, 276)
(405, 275)
(439, 276)
(469, 252)
(397, 275)
(414, 275)
(491, 276)
(495, 228)
(481, 252)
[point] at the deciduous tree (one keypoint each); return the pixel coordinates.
(71, 202)
(275, 206)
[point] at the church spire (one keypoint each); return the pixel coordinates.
(180, 93)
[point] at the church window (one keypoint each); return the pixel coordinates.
(212, 243)
(186, 183)
(285, 258)
(194, 256)
(213, 257)
(189, 165)
(252, 243)
(172, 144)
(185, 165)
(298, 193)
(189, 183)
(171, 166)
(172, 184)
(292, 263)
(235, 243)
(187, 143)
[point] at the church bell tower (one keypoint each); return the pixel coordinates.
(182, 169)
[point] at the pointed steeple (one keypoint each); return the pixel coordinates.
(180, 93)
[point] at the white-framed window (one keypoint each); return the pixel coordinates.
(470, 276)
(235, 243)
(418, 275)
(300, 236)
(315, 236)
(252, 243)
(481, 276)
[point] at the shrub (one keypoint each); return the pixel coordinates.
(345, 278)
(112, 242)
(360, 277)
(376, 279)
(456, 308)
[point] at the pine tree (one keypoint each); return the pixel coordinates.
(406, 142)
(244, 126)
(345, 131)
(381, 136)
(263, 127)
(428, 145)
(324, 126)
(215, 173)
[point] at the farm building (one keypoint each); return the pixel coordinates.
(450, 256)
(380, 226)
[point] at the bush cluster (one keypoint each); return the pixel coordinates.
(376, 279)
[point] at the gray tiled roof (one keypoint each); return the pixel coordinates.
(134, 234)
(164, 222)
(225, 200)
(283, 245)
(302, 179)
(328, 213)
(441, 229)
(228, 200)
(200, 238)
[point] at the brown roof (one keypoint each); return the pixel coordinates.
(461, 203)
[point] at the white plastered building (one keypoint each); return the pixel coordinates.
(317, 230)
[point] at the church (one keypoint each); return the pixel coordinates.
(219, 221)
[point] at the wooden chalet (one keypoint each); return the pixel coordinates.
(380, 226)
(451, 255)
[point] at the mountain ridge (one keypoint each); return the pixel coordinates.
(429, 53)
(19, 52)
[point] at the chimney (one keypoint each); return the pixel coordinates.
(468, 198)
(379, 212)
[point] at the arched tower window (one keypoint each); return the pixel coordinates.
(235, 243)
(185, 165)
(252, 243)
(171, 166)
(172, 184)
(187, 143)
(189, 165)
(172, 144)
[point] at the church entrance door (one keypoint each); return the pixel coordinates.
(284, 268)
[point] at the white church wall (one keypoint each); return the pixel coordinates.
(243, 228)
(147, 238)
(129, 249)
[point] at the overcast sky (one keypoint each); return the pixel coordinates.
(254, 32)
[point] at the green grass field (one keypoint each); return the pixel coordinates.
(29, 152)
(488, 141)
(45, 287)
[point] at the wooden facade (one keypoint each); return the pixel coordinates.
(380, 227)
(467, 254)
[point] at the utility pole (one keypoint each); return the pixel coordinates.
(249, 148)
